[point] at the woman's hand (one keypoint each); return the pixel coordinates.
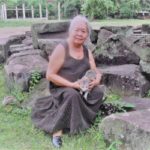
(76, 85)
(93, 83)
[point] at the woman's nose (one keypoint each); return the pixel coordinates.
(79, 33)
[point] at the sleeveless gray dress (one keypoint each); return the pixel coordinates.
(65, 109)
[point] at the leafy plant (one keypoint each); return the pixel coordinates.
(1, 66)
(35, 78)
(114, 145)
(113, 97)
(128, 8)
(148, 94)
(18, 94)
(113, 104)
(115, 107)
(70, 7)
(101, 8)
(123, 106)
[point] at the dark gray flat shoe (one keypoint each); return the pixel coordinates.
(57, 141)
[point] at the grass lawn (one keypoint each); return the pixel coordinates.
(18, 133)
(95, 24)
(119, 22)
(22, 22)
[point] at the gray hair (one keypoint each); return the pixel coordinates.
(79, 18)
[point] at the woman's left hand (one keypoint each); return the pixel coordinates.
(93, 83)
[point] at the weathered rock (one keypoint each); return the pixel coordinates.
(127, 58)
(26, 53)
(20, 66)
(94, 36)
(19, 48)
(103, 37)
(115, 50)
(137, 29)
(28, 38)
(4, 47)
(27, 41)
(49, 30)
(2, 53)
(2, 59)
(28, 34)
(132, 39)
(13, 40)
(48, 45)
(124, 30)
(143, 41)
(146, 28)
(139, 103)
(125, 80)
(90, 46)
(131, 129)
(8, 100)
(14, 46)
(141, 48)
(139, 45)
(40, 90)
(145, 67)
(118, 49)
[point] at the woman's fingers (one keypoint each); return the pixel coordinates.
(91, 84)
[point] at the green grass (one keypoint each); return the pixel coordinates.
(18, 133)
(22, 22)
(16, 23)
(95, 24)
(119, 22)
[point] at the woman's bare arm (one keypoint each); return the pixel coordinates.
(93, 66)
(56, 61)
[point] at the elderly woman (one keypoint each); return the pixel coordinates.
(66, 109)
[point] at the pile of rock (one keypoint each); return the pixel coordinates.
(122, 55)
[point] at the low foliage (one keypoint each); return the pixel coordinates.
(114, 104)
(35, 78)
(70, 8)
(111, 8)
(128, 8)
(101, 8)
(148, 94)
(114, 145)
(18, 94)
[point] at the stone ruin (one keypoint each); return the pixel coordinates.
(121, 53)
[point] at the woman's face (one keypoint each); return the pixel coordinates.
(79, 32)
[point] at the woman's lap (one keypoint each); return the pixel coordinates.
(72, 111)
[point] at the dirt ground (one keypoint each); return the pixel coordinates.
(5, 33)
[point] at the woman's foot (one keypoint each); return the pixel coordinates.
(56, 139)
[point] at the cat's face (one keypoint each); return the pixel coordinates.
(90, 74)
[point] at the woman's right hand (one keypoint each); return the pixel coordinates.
(76, 85)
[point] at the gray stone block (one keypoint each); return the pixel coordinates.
(125, 80)
(131, 129)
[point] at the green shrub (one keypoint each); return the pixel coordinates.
(128, 8)
(35, 78)
(18, 94)
(148, 94)
(97, 9)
